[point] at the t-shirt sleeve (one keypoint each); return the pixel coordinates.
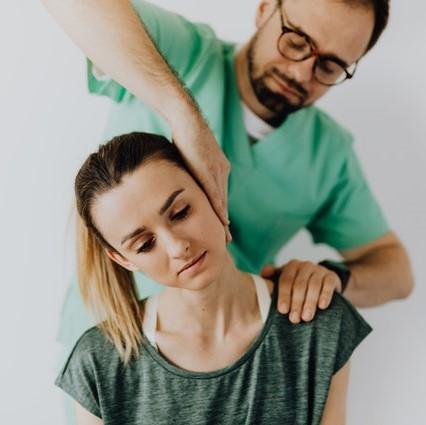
(350, 216)
(181, 43)
(78, 376)
(343, 329)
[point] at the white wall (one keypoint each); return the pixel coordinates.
(48, 125)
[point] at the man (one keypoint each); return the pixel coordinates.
(291, 166)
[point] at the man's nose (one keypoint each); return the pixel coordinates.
(302, 72)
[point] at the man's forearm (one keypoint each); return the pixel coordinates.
(382, 275)
(110, 33)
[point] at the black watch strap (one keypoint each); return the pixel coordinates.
(341, 269)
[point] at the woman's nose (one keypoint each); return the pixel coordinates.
(177, 246)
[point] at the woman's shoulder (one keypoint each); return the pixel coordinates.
(90, 363)
(331, 337)
(340, 318)
(92, 340)
(92, 349)
(340, 329)
(340, 314)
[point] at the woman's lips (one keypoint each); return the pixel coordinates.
(193, 268)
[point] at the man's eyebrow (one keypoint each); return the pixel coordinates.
(332, 56)
(163, 209)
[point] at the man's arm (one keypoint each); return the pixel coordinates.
(111, 34)
(380, 272)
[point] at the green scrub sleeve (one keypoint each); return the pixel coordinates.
(182, 44)
(351, 216)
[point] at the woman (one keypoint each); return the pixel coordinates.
(213, 349)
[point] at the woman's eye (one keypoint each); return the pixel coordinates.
(147, 246)
(180, 215)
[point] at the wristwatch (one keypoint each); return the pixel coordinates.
(341, 269)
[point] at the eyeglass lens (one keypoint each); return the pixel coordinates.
(295, 47)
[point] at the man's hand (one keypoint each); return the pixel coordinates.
(207, 162)
(112, 35)
(303, 286)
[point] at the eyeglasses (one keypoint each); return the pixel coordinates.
(297, 47)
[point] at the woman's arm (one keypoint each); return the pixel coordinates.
(335, 407)
(84, 417)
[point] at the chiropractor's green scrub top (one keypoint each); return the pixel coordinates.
(304, 174)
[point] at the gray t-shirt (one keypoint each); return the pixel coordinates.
(283, 378)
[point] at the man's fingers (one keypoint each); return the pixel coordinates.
(220, 179)
(212, 171)
(329, 286)
(298, 293)
(285, 284)
(228, 234)
(312, 296)
(303, 287)
(268, 270)
(216, 201)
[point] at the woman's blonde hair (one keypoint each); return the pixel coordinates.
(108, 289)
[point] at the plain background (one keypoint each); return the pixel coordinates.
(49, 123)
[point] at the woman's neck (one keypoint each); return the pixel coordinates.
(211, 312)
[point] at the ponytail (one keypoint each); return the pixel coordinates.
(110, 293)
(108, 289)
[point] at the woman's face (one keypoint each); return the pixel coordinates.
(159, 221)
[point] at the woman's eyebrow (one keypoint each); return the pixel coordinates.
(131, 235)
(169, 201)
(163, 209)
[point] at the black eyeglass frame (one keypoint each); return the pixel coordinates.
(313, 51)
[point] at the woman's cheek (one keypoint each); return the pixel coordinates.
(147, 264)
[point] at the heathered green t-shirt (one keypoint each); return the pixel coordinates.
(283, 378)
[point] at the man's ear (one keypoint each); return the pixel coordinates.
(119, 259)
(264, 11)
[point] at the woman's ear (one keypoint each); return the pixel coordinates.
(119, 259)
(264, 12)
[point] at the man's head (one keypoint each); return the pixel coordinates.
(340, 30)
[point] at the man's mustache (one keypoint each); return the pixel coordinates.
(290, 82)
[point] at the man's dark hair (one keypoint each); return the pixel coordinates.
(381, 17)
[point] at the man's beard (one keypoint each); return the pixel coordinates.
(277, 103)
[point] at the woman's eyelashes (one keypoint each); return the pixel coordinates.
(146, 246)
(180, 215)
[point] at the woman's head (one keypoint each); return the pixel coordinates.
(142, 210)
(138, 198)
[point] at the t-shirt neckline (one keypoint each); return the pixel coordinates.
(168, 366)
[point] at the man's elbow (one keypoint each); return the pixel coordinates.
(405, 288)
(403, 274)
